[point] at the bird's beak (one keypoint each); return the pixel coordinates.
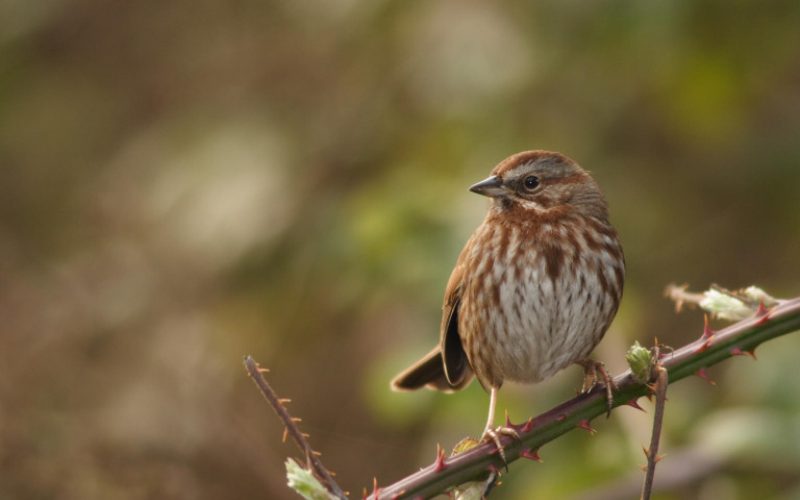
(491, 186)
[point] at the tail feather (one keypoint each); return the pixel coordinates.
(428, 372)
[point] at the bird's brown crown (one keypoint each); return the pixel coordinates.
(547, 164)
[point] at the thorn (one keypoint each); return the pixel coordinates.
(587, 426)
(707, 331)
(762, 313)
(262, 370)
(375, 490)
(707, 337)
(508, 421)
(439, 465)
(285, 434)
(646, 451)
(527, 426)
(305, 434)
(561, 418)
(705, 345)
(634, 403)
(530, 454)
(284, 401)
(297, 419)
(703, 374)
(316, 453)
(737, 351)
(658, 458)
(333, 474)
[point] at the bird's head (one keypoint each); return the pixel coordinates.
(542, 180)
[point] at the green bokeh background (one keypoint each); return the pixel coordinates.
(185, 183)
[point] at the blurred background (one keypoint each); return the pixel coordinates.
(185, 183)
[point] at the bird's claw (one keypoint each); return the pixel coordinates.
(593, 372)
(493, 435)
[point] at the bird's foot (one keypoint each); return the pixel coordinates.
(493, 435)
(594, 372)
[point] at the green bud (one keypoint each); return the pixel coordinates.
(724, 306)
(304, 483)
(640, 360)
(464, 445)
(758, 295)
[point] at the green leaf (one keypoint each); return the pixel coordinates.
(304, 483)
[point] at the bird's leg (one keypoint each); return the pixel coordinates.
(493, 434)
(592, 371)
(492, 406)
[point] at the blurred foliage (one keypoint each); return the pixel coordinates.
(184, 183)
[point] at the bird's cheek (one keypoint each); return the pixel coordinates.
(504, 202)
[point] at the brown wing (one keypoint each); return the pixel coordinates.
(456, 365)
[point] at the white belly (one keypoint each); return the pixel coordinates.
(550, 325)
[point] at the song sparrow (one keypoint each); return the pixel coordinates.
(536, 286)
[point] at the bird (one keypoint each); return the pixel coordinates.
(534, 289)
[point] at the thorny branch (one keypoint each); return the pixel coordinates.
(711, 348)
(772, 319)
(312, 457)
(660, 392)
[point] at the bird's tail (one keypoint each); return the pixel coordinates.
(429, 372)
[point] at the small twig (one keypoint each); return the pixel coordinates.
(732, 305)
(660, 386)
(312, 460)
(681, 297)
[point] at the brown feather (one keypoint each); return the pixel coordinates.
(427, 372)
(456, 366)
(454, 359)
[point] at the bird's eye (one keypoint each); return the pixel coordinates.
(531, 182)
